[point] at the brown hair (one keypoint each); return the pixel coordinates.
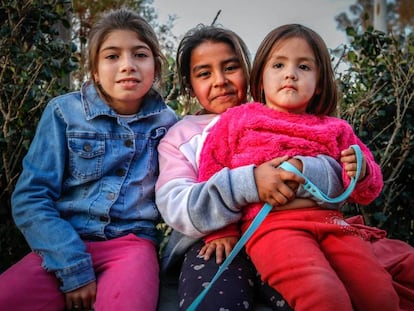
(200, 34)
(122, 19)
(323, 103)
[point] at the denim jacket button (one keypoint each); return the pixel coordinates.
(110, 196)
(120, 172)
(128, 143)
(87, 147)
(104, 218)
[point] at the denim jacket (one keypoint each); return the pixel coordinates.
(89, 175)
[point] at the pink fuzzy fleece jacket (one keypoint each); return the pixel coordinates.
(254, 133)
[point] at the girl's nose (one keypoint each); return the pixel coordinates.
(128, 64)
(220, 79)
(290, 74)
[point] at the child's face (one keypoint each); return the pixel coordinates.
(290, 76)
(126, 70)
(217, 77)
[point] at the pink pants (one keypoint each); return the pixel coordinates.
(126, 270)
(319, 262)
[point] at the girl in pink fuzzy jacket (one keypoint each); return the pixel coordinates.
(311, 256)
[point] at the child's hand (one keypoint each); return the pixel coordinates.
(291, 183)
(348, 158)
(274, 185)
(82, 298)
(222, 247)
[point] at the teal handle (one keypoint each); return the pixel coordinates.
(316, 192)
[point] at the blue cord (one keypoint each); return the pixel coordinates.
(310, 187)
(239, 245)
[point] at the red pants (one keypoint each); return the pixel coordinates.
(396, 257)
(319, 262)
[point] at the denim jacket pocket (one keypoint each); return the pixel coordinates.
(156, 135)
(86, 155)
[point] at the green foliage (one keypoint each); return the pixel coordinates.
(35, 65)
(378, 101)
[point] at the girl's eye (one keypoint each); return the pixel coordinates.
(304, 67)
(278, 65)
(112, 56)
(203, 74)
(232, 67)
(141, 55)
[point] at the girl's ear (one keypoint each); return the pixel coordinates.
(189, 91)
(96, 77)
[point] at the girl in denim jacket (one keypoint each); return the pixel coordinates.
(85, 198)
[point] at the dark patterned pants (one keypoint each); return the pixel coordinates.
(236, 289)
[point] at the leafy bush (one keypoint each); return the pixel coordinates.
(35, 66)
(378, 100)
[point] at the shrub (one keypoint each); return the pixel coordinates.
(378, 101)
(35, 66)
